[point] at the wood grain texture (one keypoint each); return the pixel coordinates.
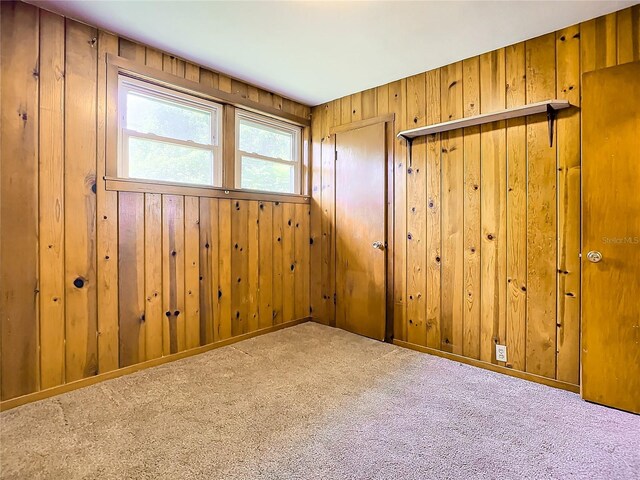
(397, 104)
(253, 267)
(239, 267)
(568, 178)
(192, 271)
(301, 255)
(153, 313)
(278, 256)
(19, 200)
(328, 222)
(610, 370)
(265, 278)
(288, 262)
(471, 212)
(541, 214)
(315, 228)
(360, 220)
(224, 270)
(519, 287)
(493, 213)
(434, 219)
(516, 309)
(452, 171)
(88, 242)
(416, 238)
(107, 231)
(209, 265)
(131, 278)
(173, 330)
(80, 184)
(72, 306)
(51, 199)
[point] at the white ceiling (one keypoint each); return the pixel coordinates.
(317, 51)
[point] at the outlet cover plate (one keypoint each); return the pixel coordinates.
(501, 353)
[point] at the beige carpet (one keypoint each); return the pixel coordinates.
(313, 402)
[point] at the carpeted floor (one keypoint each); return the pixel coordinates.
(313, 402)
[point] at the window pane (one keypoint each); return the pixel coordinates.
(270, 176)
(147, 114)
(153, 160)
(264, 140)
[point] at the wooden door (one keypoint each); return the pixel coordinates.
(360, 230)
(611, 228)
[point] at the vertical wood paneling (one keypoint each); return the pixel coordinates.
(301, 255)
(356, 107)
(192, 271)
(107, 224)
(224, 258)
(397, 101)
(131, 278)
(345, 110)
(328, 221)
(315, 227)
(153, 58)
(173, 330)
(516, 210)
(265, 277)
(541, 213)
(520, 235)
(568, 146)
(61, 316)
(67, 216)
(208, 270)
(80, 187)
(253, 266)
(173, 65)
(239, 267)
(471, 219)
(628, 30)
(493, 213)
(599, 42)
(278, 256)
(416, 226)
(434, 228)
(452, 165)
(288, 262)
(19, 199)
(153, 313)
(51, 199)
(369, 103)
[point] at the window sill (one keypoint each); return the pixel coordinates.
(168, 188)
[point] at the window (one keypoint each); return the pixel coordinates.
(267, 154)
(169, 136)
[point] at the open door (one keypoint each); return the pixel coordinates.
(361, 230)
(611, 237)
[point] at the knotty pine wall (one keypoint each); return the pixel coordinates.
(87, 275)
(487, 219)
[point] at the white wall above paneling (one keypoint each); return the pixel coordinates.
(317, 51)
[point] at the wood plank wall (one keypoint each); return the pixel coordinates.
(487, 219)
(95, 280)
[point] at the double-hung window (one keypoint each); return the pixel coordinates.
(168, 136)
(268, 154)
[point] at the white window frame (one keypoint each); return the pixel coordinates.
(280, 126)
(127, 84)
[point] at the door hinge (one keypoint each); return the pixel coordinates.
(336, 155)
(334, 299)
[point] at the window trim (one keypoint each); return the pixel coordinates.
(277, 126)
(108, 153)
(127, 84)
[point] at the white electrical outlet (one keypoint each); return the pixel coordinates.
(501, 353)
